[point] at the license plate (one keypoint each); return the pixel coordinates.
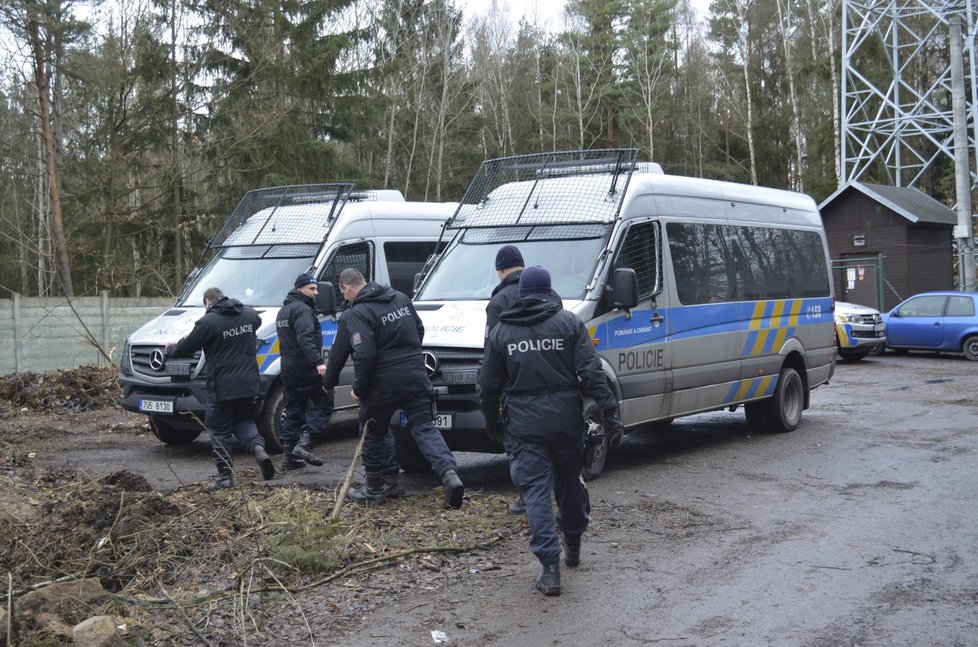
(460, 377)
(443, 421)
(156, 406)
(177, 368)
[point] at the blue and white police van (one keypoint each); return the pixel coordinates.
(699, 295)
(273, 235)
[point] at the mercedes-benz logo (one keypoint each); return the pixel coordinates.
(430, 363)
(156, 360)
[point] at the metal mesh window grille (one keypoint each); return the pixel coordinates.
(358, 256)
(284, 214)
(548, 188)
(638, 252)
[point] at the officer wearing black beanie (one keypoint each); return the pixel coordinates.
(509, 268)
(307, 408)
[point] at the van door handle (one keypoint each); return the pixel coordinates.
(657, 318)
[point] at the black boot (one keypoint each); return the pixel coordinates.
(290, 462)
(454, 490)
(304, 450)
(517, 507)
(264, 462)
(549, 580)
(572, 551)
(392, 486)
(225, 478)
(372, 492)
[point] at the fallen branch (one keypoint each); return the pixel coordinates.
(343, 572)
(183, 616)
(345, 487)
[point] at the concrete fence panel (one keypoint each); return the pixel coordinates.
(49, 333)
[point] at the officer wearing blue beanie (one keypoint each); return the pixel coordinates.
(540, 357)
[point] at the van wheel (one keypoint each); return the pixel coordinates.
(970, 348)
(171, 435)
(595, 455)
(756, 414)
(783, 409)
(409, 456)
(270, 418)
(853, 355)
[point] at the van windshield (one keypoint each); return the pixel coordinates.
(257, 276)
(467, 269)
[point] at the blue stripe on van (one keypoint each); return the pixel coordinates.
(269, 352)
(750, 389)
(767, 324)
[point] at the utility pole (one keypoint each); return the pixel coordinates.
(963, 232)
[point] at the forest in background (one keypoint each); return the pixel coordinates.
(129, 129)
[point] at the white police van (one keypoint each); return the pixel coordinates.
(699, 295)
(274, 235)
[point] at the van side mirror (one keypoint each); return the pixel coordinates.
(326, 299)
(625, 288)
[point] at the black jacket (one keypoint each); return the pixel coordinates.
(300, 339)
(540, 362)
(383, 332)
(227, 335)
(505, 295)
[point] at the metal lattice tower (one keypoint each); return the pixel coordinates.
(896, 86)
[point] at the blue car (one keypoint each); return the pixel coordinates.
(936, 321)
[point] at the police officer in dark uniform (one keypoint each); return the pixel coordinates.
(509, 267)
(383, 333)
(301, 346)
(226, 333)
(540, 363)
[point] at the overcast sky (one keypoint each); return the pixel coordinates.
(547, 12)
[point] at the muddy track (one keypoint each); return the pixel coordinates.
(854, 529)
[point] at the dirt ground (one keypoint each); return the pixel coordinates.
(856, 529)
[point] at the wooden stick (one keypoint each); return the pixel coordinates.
(349, 473)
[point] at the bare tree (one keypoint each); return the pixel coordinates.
(785, 29)
(490, 43)
(43, 27)
(646, 59)
(451, 100)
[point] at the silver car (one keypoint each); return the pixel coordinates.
(859, 331)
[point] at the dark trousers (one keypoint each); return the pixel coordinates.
(537, 469)
(228, 419)
(307, 408)
(378, 446)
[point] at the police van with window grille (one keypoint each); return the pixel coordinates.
(699, 295)
(274, 235)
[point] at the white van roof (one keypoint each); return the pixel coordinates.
(569, 188)
(305, 214)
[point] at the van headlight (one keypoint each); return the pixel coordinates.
(125, 366)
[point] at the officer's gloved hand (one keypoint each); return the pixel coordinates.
(614, 428)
